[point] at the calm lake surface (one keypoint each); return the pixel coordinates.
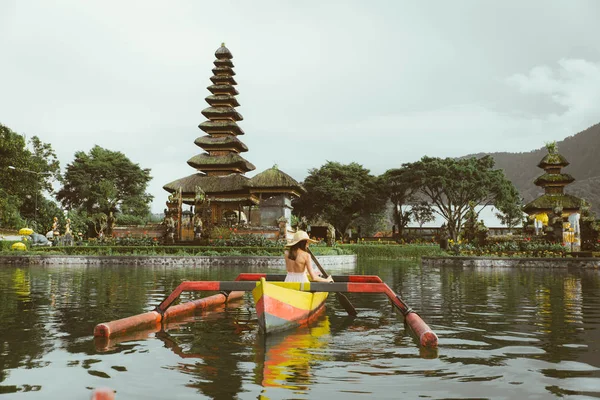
(503, 334)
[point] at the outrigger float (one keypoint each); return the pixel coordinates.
(279, 305)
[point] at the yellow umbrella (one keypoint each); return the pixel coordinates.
(25, 231)
(18, 246)
(543, 218)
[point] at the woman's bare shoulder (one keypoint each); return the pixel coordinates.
(303, 255)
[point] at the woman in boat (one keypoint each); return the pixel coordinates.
(298, 262)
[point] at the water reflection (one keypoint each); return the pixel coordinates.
(504, 333)
(285, 360)
(281, 361)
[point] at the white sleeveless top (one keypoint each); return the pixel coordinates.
(296, 277)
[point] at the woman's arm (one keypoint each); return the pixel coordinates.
(313, 275)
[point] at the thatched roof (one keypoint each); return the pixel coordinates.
(222, 112)
(211, 185)
(223, 70)
(223, 63)
(222, 100)
(248, 200)
(547, 202)
(223, 53)
(274, 178)
(223, 80)
(554, 179)
(221, 142)
(232, 160)
(214, 89)
(221, 126)
(553, 160)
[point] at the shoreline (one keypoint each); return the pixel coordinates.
(259, 261)
(515, 262)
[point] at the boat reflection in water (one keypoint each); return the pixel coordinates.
(282, 360)
(285, 360)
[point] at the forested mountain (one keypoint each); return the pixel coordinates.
(581, 150)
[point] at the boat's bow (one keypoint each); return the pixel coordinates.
(285, 305)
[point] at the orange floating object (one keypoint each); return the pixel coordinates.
(128, 324)
(103, 394)
(206, 302)
(152, 318)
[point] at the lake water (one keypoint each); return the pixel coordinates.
(503, 334)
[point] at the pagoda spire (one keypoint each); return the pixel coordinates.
(553, 181)
(221, 145)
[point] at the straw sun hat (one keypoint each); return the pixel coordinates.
(298, 237)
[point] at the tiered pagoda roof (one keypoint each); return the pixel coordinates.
(220, 167)
(220, 142)
(553, 181)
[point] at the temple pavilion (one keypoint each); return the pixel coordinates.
(220, 183)
(553, 181)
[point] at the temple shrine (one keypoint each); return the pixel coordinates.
(555, 208)
(219, 193)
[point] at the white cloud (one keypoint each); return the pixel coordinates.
(384, 141)
(575, 84)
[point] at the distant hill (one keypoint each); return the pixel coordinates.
(581, 150)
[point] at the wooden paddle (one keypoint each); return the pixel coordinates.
(340, 296)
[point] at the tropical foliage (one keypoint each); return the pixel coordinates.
(508, 247)
(27, 171)
(340, 194)
(104, 184)
(451, 184)
(401, 189)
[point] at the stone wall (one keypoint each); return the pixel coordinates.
(223, 261)
(516, 262)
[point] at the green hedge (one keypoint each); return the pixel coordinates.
(183, 250)
(162, 250)
(370, 251)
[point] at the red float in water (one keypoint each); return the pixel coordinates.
(152, 318)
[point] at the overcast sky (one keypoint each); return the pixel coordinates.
(376, 82)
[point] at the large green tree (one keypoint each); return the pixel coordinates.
(102, 183)
(422, 213)
(26, 174)
(340, 194)
(450, 184)
(401, 190)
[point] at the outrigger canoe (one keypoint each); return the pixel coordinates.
(285, 305)
(280, 305)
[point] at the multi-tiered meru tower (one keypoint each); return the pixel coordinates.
(221, 144)
(553, 181)
(556, 209)
(220, 182)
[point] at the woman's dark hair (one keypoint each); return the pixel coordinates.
(293, 251)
